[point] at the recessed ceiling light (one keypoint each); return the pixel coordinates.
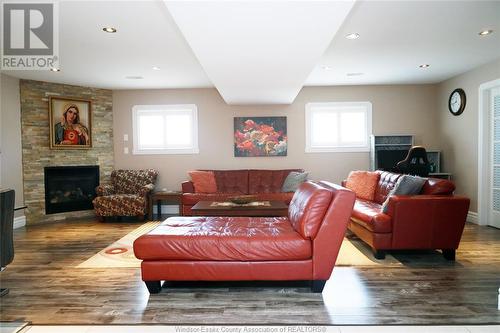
(352, 36)
(111, 30)
(485, 32)
(327, 68)
(134, 77)
(355, 74)
(53, 69)
(424, 66)
(156, 68)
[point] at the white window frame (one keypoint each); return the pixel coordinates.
(339, 107)
(174, 108)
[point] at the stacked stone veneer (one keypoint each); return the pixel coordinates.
(35, 142)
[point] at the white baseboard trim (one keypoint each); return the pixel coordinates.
(472, 217)
(19, 222)
(167, 209)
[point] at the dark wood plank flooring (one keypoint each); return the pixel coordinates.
(46, 288)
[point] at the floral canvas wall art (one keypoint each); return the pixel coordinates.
(260, 136)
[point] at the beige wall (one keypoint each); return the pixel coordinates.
(10, 143)
(401, 109)
(459, 134)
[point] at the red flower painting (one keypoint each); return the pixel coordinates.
(260, 136)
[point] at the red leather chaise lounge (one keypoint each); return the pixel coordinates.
(302, 246)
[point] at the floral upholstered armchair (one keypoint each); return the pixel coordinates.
(127, 195)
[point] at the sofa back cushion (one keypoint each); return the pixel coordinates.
(432, 186)
(231, 181)
(406, 185)
(308, 207)
(293, 181)
(203, 181)
(266, 181)
(132, 181)
(363, 183)
(386, 183)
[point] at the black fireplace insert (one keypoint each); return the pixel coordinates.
(70, 188)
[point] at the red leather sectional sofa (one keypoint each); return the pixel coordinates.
(434, 219)
(302, 246)
(266, 184)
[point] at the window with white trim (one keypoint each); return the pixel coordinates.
(165, 129)
(338, 127)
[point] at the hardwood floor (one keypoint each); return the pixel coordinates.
(46, 288)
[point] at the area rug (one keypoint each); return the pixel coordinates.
(12, 326)
(354, 252)
(120, 254)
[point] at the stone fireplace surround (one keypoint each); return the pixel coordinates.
(35, 142)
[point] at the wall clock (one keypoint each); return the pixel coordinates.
(456, 102)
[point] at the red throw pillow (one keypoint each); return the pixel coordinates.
(204, 181)
(363, 183)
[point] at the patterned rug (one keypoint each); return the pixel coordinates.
(12, 326)
(120, 254)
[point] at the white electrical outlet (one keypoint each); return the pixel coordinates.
(125, 150)
(125, 137)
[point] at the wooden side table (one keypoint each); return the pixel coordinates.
(162, 196)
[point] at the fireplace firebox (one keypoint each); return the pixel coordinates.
(70, 188)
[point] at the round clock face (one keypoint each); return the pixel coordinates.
(456, 103)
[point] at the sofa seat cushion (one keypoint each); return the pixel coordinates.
(369, 215)
(193, 198)
(282, 196)
(120, 205)
(223, 239)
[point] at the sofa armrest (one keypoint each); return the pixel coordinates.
(146, 189)
(328, 240)
(427, 221)
(187, 186)
(102, 190)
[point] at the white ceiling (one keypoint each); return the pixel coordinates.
(259, 52)
(146, 37)
(395, 37)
